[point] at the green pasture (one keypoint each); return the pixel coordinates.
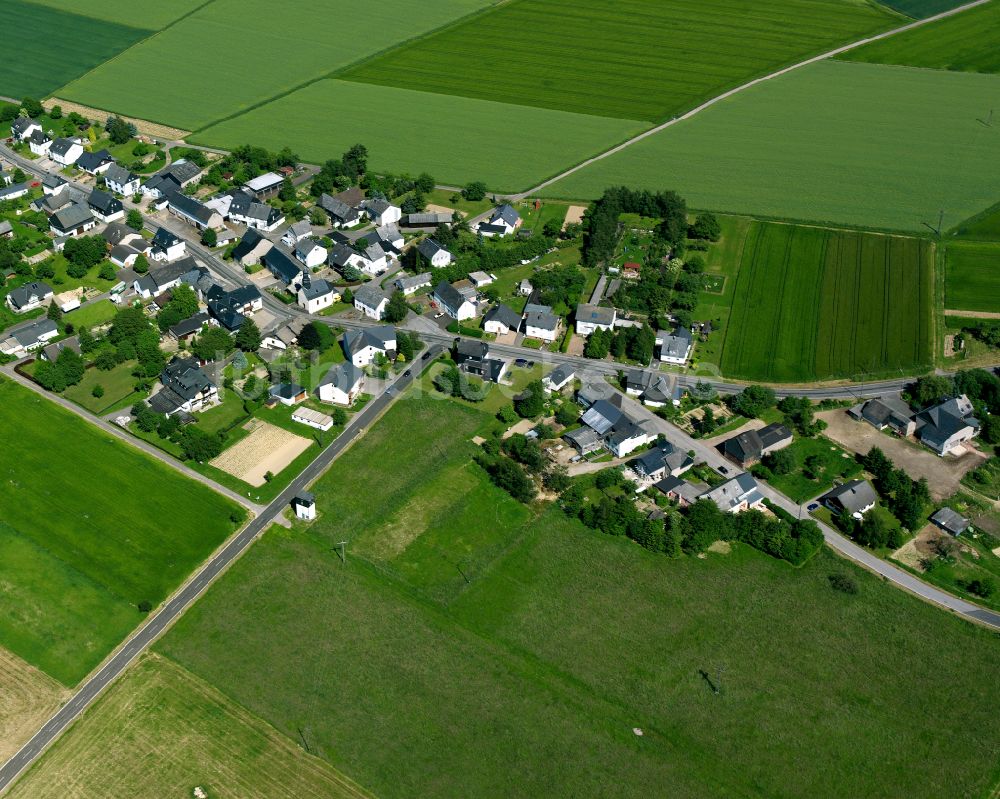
(150, 14)
(984, 226)
(113, 526)
(966, 42)
(43, 47)
(631, 59)
(860, 144)
(920, 9)
(118, 384)
(812, 303)
(93, 313)
(459, 138)
(551, 657)
(972, 276)
(231, 55)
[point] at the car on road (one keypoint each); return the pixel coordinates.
(524, 363)
(812, 506)
(439, 315)
(408, 373)
(426, 355)
(723, 470)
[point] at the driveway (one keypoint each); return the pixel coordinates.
(943, 475)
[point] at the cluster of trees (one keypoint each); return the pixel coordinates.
(195, 444)
(781, 536)
(635, 343)
(601, 219)
(337, 174)
(317, 337)
(474, 191)
(244, 163)
(906, 498)
(453, 382)
(706, 227)
(118, 130)
(752, 402)
(398, 185)
(183, 305)
(559, 286)
(530, 402)
(212, 343)
(505, 472)
(132, 336)
(83, 254)
(66, 371)
(397, 309)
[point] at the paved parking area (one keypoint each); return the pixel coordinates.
(943, 475)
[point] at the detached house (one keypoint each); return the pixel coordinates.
(664, 460)
(95, 163)
(106, 207)
(453, 302)
(558, 378)
(280, 264)
(362, 346)
(474, 358)
(53, 184)
(342, 214)
(177, 176)
(737, 494)
(29, 296)
(39, 143)
(371, 301)
(540, 322)
(65, 151)
(593, 317)
(501, 319)
(22, 128)
(675, 348)
(167, 246)
(296, 232)
(310, 253)
(342, 384)
(382, 212)
(748, 448)
(315, 294)
(29, 338)
(163, 278)
(855, 498)
(245, 210)
(504, 221)
(73, 220)
(121, 180)
(948, 425)
(185, 389)
(884, 412)
(231, 308)
(410, 284)
(14, 191)
(614, 429)
(251, 249)
(436, 255)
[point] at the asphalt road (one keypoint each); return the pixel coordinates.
(143, 637)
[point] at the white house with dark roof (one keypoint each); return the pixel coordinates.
(22, 128)
(177, 176)
(502, 222)
(296, 232)
(558, 378)
(95, 163)
(66, 151)
(593, 317)
(29, 338)
(121, 180)
(947, 425)
(382, 212)
(245, 210)
(676, 347)
(106, 207)
(194, 212)
(736, 494)
(855, 498)
(371, 301)
(162, 278)
(166, 246)
(315, 294)
(501, 319)
(310, 253)
(40, 143)
(540, 322)
(363, 346)
(436, 255)
(342, 384)
(341, 213)
(185, 388)
(29, 296)
(73, 220)
(453, 302)
(53, 184)
(14, 191)
(409, 284)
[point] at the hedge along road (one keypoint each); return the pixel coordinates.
(144, 637)
(725, 95)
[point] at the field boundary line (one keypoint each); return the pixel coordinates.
(742, 87)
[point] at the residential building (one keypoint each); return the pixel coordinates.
(558, 378)
(166, 246)
(163, 278)
(342, 384)
(282, 265)
(593, 317)
(453, 302)
(947, 425)
(371, 301)
(676, 347)
(14, 191)
(188, 328)
(524, 288)
(585, 440)
(620, 433)
(661, 461)
(73, 220)
(106, 207)
(540, 322)
(480, 279)
(288, 394)
(362, 346)
(193, 212)
(296, 232)
(29, 338)
(342, 214)
(684, 493)
(855, 498)
(736, 494)
(22, 128)
(436, 255)
(53, 184)
(474, 358)
(382, 212)
(749, 447)
(51, 352)
(501, 320)
(251, 249)
(185, 389)
(65, 151)
(39, 143)
(315, 294)
(121, 180)
(503, 221)
(245, 210)
(29, 296)
(284, 337)
(411, 284)
(95, 163)
(886, 412)
(231, 308)
(310, 253)
(177, 176)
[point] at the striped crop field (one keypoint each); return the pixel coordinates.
(632, 59)
(813, 303)
(966, 42)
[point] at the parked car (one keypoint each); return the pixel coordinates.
(522, 362)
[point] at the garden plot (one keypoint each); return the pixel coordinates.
(266, 449)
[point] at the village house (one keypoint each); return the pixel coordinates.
(749, 447)
(593, 317)
(51, 352)
(22, 128)
(29, 338)
(53, 184)
(251, 249)
(681, 491)
(473, 357)
(661, 461)
(315, 294)
(245, 210)
(193, 212)
(231, 308)
(411, 284)
(174, 178)
(540, 322)
(502, 222)
(166, 246)
(947, 425)
(886, 412)
(436, 255)
(371, 301)
(558, 378)
(736, 494)
(282, 265)
(676, 347)
(501, 320)
(342, 384)
(382, 212)
(296, 232)
(95, 163)
(29, 296)
(617, 430)
(163, 278)
(310, 253)
(283, 337)
(341, 213)
(65, 151)
(106, 207)
(39, 143)
(73, 220)
(121, 180)
(854, 498)
(188, 328)
(363, 346)
(185, 388)
(453, 302)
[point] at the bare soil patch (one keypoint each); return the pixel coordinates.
(574, 215)
(28, 698)
(266, 449)
(943, 475)
(154, 129)
(431, 208)
(972, 314)
(721, 548)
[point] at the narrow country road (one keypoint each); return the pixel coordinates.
(743, 87)
(162, 618)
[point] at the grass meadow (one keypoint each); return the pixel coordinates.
(971, 276)
(920, 9)
(966, 42)
(160, 732)
(149, 14)
(246, 58)
(630, 59)
(89, 528)
(529, 679)
(28, 698)
(43, 47)
(459, 137)
(861, 144)
(984, 226)
(812, 304)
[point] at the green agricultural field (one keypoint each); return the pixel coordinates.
(972, 277)
(90, 528)
(459, 137)
(571, 639)
(921, 9)
(43, 48)
(250, 59)
(813, 304)
(861, 144)
(160, 732)
(984, 226)
(149, 14)
(966, 42)
(631, 59)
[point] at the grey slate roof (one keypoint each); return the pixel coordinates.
(190, 325)
(71, 217)
(282, 265)
(106, 204)
(61, 146)
(951, 521)
(22, 295)
(190, 207)
(185, 378)
(594, 314)
(369, 295)
(450, 296)
(505, 213)
(88, 162)
(356, 340)
(30, 335)
(853, 496)
(344, 376)
(247, 244)
(429, 248)
(119, 174)
(503, 314)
